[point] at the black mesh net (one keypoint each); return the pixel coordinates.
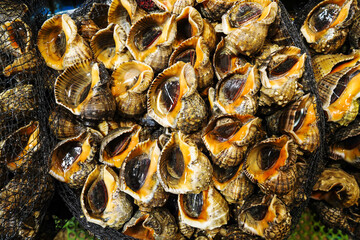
(43, 92)
(26, 187)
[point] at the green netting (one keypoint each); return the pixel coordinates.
(75, 232)
(310, 228)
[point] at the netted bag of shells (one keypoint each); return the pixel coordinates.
(182, 119)
(331, 31)
(26, 188)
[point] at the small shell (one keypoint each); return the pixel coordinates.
(64, 125)
(336, 187)
(87, 28)
(266, 216)
(84, 90)
(228, 137)
(300, 122)
(138, 175)
(109, 46)
(271, 164)
(105, 127)
(205, 210)
(339, 93)
(195, 51)
(15, 38)
(72, 159)
(157, 224)
(125, 13)
(60, 44)
(236, 92)
(18, 148)
(130, 82)
(182, 168)
(331, 63)
(116, 146)
(173, 100)
(214, 9)
(26, 63)
(102, 202)
(279, 74)
(18, 100)
(232, 183)
(346, 144)
(174, 6)
(326, 26)
(150, 39)
(246, 32)
(226, 60)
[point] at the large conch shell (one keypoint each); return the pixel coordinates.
(279, 74)
(339, 93)
(101, 200)
(271, 164)
(228, 138)
(182, 168)
(150, 39)
(109, 46)
(336, 187)
(266, 216)
(205, 210)
(125, 13)
(195, 51)
(84, 90)
(138, 175)
(327, 25)
(130, 82)
(236, 92)
(60, 44)
(173, 100)
(72, 159)
(246, 24)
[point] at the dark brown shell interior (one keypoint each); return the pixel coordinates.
(175, 165)
(187, 56)
(97, 196)
(184, 29)
(136, 171)
(193, 204)
(69, 153)
(269, 155)
(118, 144)
(245, 12)
(146, 37)
(324, 16)
(224, 174)
(234, 86)
(170, 91)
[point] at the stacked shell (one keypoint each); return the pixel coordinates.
(178, 102)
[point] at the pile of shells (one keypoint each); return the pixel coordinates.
(332, 32)
(187, 121)
(25, 186)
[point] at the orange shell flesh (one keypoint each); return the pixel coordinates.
(347, 154)
(139, 231)
(118, 159)
(265, 12)
(31, 143)
(352, 91)
(217, 147)
(150, 181)
(262, 175)
(294, 70)
(308, 123)
(350, 63)
(203, 217)
(249, 86)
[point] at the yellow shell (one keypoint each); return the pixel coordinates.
(174, 6)
(150, 39)
(130, 82)
(109, 46)
(60, 44)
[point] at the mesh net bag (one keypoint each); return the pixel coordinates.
(26, 187)
(310, 163)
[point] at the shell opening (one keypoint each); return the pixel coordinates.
(69, 154)
(184, 29)
(283, 67)
(299, 118)
(187, 56)
(193, 204)
(234, 87)
(169, 95)
(269, 155)
(341, 85)
(175, 165)
(245, 12)
(17, 31)
(97, 196)
(136, 171)
(118, 144)
(144, 39)
(139, 231)
(324, 16)
(224, 132)
(258, 212)
(350, 143)
(224, 174)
